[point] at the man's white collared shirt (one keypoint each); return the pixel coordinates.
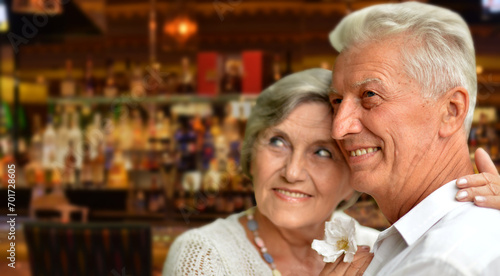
(440, 236)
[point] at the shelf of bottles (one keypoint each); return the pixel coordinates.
(177, 151)
(171, 153)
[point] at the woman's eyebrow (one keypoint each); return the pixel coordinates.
(275, 130)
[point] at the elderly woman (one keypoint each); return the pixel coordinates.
(300, 178)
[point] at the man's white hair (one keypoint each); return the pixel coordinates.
(440, 52)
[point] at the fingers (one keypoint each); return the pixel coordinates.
(330, 268)
(488, 201)
(486, 168)
(476, 180)
(358, 266)
(483, 184)
(484, 162)
(365, 265)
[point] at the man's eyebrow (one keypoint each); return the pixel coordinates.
(333, 92)
(365, 81)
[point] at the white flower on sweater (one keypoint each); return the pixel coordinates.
(340, 236)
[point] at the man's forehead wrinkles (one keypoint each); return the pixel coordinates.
(365, 81)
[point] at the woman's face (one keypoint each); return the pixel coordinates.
(298, 172)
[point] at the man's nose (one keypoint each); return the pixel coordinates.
(346, 120)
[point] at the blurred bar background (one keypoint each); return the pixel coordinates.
(124, 118)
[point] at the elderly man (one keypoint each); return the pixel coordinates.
(403, 93)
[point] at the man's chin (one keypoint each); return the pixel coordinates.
(361, 183)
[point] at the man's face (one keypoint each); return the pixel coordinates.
(382, 123)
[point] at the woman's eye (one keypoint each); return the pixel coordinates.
(277, 141)
(324, 153)
(370, 93)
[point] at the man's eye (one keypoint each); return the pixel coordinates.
(324, 153)
(370, 94)
(336, 101)
(277, 141)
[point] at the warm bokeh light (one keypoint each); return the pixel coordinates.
(50, 7)
(181, 28)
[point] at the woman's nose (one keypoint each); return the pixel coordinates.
(294, 169)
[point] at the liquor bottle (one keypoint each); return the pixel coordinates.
(36, 138)
(110, 90)
(186, 79)
(136, 83)
(208, 146)
(109, 152)
(124, 132)
(232, 133)
(94, 135)
(163, 129)
(153, 82)
(57, 113)
(69, 170)
(86, 173)
(62, 136)
(89, 82)
(49, 141)
(155, 147)
(215, 127)
(140, 201)
(235, 179)
(185, 139)
(86, 117)
(199, 130)
(76, 138)
(53, 172)
(34, 170)
(68, 85)
(167, 168)
(212, 178)
(152, 135)
(138, 138)
(156, 200)
(5, 118)
(97, 165)
(118, 177)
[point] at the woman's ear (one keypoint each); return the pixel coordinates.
(455, 106)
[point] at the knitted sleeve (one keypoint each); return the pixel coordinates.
(193, 254)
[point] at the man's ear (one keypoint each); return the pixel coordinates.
(455, 104)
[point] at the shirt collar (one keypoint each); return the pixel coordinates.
(422, 217)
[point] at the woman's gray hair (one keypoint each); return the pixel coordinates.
(277, 101)
(440, 52)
